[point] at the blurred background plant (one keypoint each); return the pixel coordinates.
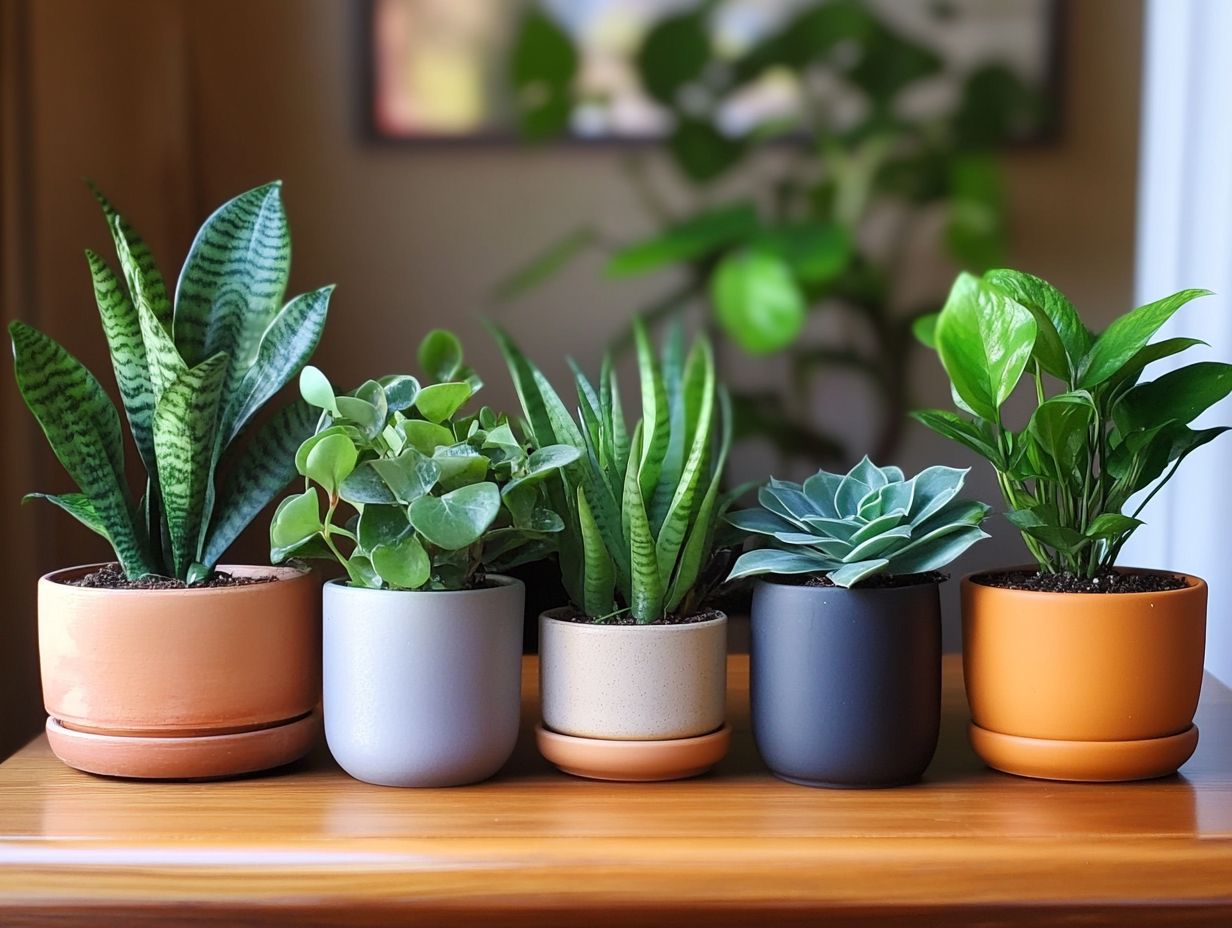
(807, 261)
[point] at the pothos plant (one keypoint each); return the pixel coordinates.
(407, 494)
(192, 372)
(1099, 433)
(641, 508)
(849, 178)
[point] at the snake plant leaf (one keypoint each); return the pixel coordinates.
(233, 279)
(77, 505)
(656, 418)
(403, 563)
(647, 587)
(163, 359)
(123, 330)
(457, 519)
(613, 415)
(284, 349)
(185, 421)
(600, 575)
(83, 429)
(260, 472)
(136, 261)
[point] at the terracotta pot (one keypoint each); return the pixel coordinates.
(651, 684)
(123, 669)
(1084, 686)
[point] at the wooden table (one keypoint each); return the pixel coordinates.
(310, 846)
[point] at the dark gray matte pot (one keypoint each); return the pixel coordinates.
(845, 685)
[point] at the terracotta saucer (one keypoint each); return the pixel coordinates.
(199, 757)
(1084, 761)
(633, 761)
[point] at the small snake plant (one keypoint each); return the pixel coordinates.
(851, 527)
(192, 371)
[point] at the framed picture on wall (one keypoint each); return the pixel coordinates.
(442, 69)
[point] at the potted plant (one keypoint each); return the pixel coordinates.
(845, 665)
(1076, 668)
(633, 671)
(166, 664)
(423, 637)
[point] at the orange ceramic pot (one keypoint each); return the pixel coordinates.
(1084, 686)
(181, 683)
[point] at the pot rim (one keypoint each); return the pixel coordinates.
(768, 579)
(283, 573)
(1194, 583)
(675, 627)
(502, 582)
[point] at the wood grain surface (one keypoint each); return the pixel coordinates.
(309, 846)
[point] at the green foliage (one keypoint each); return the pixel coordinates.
(436, 498)
(640, 509)
(851, 527)
(1099, 434)
(192, 372)
(799, 243)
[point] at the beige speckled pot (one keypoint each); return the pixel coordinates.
(129, 674)
(632, 682)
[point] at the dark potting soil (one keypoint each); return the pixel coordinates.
(883, 581)
(626, 619)
(111, 577)
(1107, 581)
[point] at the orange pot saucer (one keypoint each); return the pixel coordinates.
(200, 757)
(1084, 761)
(633, 761)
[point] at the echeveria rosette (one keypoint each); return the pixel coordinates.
(1101, 435)
(192, 370)
(437, 497)
(853, 526)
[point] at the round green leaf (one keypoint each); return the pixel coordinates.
(400, 391)
(425, 437)
(457, 519)
(297, 519)
(382, 525)
(403, 564)
(440, 355)
(757, 301)
(441, 400)
(314, 387)
(330, 461)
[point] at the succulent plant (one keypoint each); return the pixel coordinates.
(192, 371)
(1101, 441)
(851, 527)
(642, 509)
(438, 498)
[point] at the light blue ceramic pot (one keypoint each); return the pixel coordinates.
(422, 688)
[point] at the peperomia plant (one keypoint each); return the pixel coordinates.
(191, 372)
(438, 498)
(867, 522)
(1099, 434)
(642, 509)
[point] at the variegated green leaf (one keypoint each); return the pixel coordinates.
(163, 361)
(77, 505)
(656, 418)
(123, 330)
(646, 585)
(264, 466)
(184, 427)
(233, 281)
(285, 348)
(600, 577)
(83, 429)
(136, 261)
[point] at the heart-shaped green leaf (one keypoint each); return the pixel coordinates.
(403, 564)
(410, 475)
(296, 520)
(330, 461)
(439, 401)
(440, 355)
(425, 437)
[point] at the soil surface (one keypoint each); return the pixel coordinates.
(1108, 581)
(883, 581)
(110, 577)
(626, 619)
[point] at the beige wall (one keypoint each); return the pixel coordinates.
(174, 106)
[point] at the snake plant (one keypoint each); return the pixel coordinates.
(851, 527)
(192, 370)
(438, 497)
(642, 507)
